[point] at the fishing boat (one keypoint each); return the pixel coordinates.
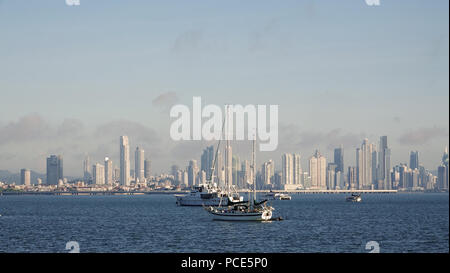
(354, 198)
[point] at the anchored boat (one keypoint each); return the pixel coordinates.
(354, 198)
(243, 211)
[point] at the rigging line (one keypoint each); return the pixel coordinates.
(217, 151)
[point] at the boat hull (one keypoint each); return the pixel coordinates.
(236, 216)
(198, 202)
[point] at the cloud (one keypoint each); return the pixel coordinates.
(422, 135)
(27, 128)
(165, 100)
(70, 127)
(292, 138)
(136, 132)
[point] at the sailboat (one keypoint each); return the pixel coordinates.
(209, 193)
(250, 210)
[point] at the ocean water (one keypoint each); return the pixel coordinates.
(153, 223)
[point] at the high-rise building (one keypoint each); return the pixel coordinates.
(364, 165)
(384, 164)
(86, 169)
(297, 169)
(207, 160)
(175, 171)
(331, 176)
(268, 173)
(414, 160)
(236, 169)
(287, 166)
(318, 171)
(98, 174)
(192, 173)
(352, 178)
(124, 161)
(246, 174)
(25, 177)
(228, 165)
(339, 158)
(108, 171)
(442, 182)
(147, 169)
(219, 171)
(54, 169)
(139, 174)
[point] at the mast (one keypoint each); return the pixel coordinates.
(228, 177)
(254, 168)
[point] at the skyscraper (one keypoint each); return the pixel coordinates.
(287, 165)
(384, 164)
(268, 173)
(192, 172)
(442, 178)
(108, 171)
(236, 169)
(331, 176)
(297, 169)
(124, 161)
(414, 160)
(139, 173)
(25, 177)
(364, 165)
(207, 160)
(339, 159)
(147, 169)
(98, 173)
(54, 169)
(352, 178)
(228, 165)
(86, 169)
(318, 171)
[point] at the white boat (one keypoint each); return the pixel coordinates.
(243, 211)
(206, 195)
(354, 198)
(277, 196)
(282, 196)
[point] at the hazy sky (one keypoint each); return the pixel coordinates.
(73, 79)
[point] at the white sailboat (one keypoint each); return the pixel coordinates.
(209, 194)
(243, 211)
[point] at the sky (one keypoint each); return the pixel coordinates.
(75, 78)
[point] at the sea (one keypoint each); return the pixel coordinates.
(151, 223)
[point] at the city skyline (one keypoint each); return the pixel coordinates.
(373, 170)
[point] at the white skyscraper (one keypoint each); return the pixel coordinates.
(98, 173)
(108, 171)
(124, 161)
(364, 165)
(288, 169)
(297, 169)
(139, 173)
(318, 171)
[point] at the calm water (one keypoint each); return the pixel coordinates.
(153, 223)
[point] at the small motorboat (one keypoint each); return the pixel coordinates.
(283, 196)
(354, 198)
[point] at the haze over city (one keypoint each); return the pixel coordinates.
(77, 91)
